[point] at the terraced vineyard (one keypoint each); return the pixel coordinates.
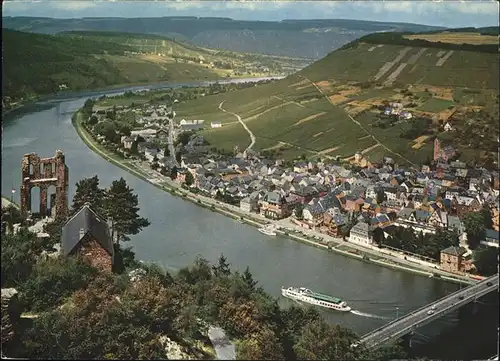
(329, 109)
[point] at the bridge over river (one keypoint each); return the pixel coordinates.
(428, 313)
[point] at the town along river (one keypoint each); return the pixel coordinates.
(180, 230)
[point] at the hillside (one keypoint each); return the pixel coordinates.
(226, 63)
(330, 108)
(35, 64)
(291, 38)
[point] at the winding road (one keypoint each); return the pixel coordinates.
(252, 136)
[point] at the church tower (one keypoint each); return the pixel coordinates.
(437, 149)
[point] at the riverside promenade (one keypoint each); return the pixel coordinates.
(285, 227)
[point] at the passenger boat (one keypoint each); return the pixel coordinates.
(318, 299)
(269, 230)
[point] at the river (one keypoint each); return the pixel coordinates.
(180, 231)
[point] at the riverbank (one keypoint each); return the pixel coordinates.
(334, 245)
(61, 94)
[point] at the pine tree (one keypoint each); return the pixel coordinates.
(222, 269)
(248, 278)
(88, 191)
(122, 210)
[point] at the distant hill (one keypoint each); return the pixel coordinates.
(35, 64)
(292, 38)
(332, 108)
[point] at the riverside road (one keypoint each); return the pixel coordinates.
(181, 230)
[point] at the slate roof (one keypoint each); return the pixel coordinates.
(491, 234)
(361, 228)
(90, 223)
(454, 251)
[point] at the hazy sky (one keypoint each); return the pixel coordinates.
(444, 13)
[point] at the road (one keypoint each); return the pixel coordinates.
(224, 348)
(171, 139)
(252, 136)
(402, 326)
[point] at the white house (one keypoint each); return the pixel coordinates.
(361, 234)
(448, 127)
(215, 124)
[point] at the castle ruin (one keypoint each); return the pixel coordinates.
(43, 173)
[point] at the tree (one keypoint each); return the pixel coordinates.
(262, 345)
(189, 180)
(108, 130)
(222, 269)
(173, 173)
(53, 280)
(10, 216)
(321, 341)
(381, 196)
(178, 157)
(248, 279)
(19, 252)
(167, 151)
(474, 227)
(93, 120)
(378, 236)
(122, 210)
(88, 191)
(299, 211)
(487, 216)
(99, 326)
(486, 261)
(133, 148)
(125, 130)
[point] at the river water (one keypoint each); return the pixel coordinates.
(180, 231)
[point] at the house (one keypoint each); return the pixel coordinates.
(405, 115)
(87, 234)
(447, 127)
(215, 125)
(452, 259)
(127, 142)
(314, 211)
(361, 233)
(273, 205)
(162, 134)
(491, 238)
(332, 224)
(151, 153)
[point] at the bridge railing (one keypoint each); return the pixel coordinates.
(468, 288)
(426, 318)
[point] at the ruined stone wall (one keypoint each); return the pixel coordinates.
(43, 173)
(11, 312)
(94, 253)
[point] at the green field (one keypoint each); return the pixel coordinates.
(435, 105)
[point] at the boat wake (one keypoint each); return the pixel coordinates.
(364, 314)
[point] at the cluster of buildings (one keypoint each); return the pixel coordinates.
(328, 195)
(396, 108)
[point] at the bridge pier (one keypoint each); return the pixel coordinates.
(406, 341)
